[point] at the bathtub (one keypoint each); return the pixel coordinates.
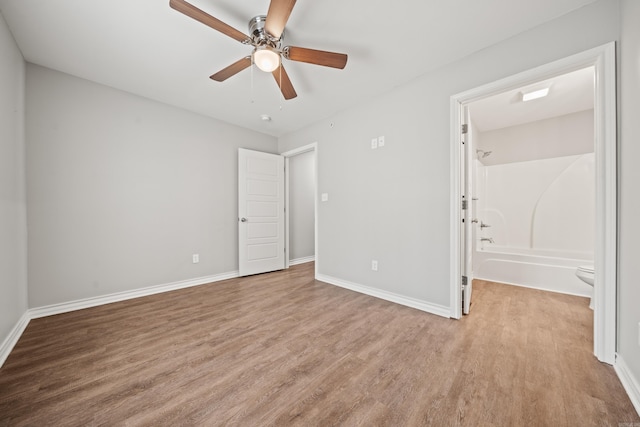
(540, 269)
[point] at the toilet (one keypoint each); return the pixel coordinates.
(586, 274)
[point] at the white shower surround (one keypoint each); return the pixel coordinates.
(542, 217)
(539, 204)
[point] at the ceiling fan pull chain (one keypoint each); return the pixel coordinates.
(252, 100)
(281, 95)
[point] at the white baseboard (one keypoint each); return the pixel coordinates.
(13, 337)
(80, 304)
(302, 260)
(436, 309)
(629, 382)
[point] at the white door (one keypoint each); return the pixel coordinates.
(467, 217)
(260, 212)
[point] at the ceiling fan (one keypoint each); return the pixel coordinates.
(266, 35)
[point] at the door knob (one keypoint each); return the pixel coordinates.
(243, 220)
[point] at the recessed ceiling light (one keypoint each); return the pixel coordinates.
(540, 93)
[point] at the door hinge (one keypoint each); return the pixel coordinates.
(464, 204)
(465, 129)
(464, 282)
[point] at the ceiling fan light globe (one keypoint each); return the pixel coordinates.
(266, 59)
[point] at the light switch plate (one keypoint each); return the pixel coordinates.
(381, 141)
(324, 197)
(374, 143)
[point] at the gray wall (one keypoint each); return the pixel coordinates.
(559, 136)
(629, 178)
(13, 204)
(301, 205)
(123, 190)
(392, 204)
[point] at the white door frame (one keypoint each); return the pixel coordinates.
(604, 61)
(288, 154)
(467, 232)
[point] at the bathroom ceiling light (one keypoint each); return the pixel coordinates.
(540, 93)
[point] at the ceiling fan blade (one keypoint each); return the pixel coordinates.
(285, 86)
(199, 15)
(231, 70)
(277, 16)
(317, 57)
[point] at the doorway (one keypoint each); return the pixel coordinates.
(532, 181)
(277, 209)
(301, 192)
(602, 59)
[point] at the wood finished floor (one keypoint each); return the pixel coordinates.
(284, 349)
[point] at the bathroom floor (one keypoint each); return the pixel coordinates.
(538, 348)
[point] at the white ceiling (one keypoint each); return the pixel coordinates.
(568, 93)
(146, 48)
(515, 141)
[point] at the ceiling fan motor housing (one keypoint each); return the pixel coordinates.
(259, 36)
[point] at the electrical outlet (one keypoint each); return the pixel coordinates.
(324, 197)
(374, 143)
(374, 265)
(381, 141)
(196, 258)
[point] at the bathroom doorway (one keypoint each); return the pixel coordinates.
(532, 179)
(523, 154)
